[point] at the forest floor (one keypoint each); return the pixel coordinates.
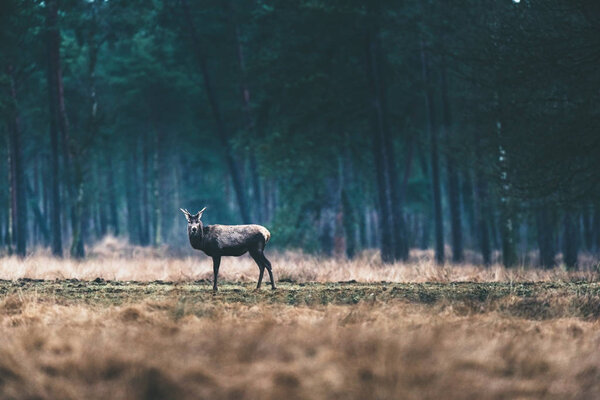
(134, 323)
(72, 339)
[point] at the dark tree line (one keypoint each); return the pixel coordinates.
(340, 125)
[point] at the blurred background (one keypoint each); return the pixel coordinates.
(466, 127)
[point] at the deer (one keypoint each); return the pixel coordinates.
(217, 241)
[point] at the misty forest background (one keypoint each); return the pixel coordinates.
(469, 127)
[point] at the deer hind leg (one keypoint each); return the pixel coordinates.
(267, 264)
(256, 256)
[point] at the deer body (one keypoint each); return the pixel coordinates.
(217, 241)
(229, 240)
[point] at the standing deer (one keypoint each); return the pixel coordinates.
(229, 240)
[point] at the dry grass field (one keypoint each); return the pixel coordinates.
(126, 324)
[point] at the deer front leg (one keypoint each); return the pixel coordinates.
(216, 263)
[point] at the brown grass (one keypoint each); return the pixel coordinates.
(114, 259)
(179, 348)
(422, 334)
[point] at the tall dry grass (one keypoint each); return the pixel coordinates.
(114, 259)
(74, 340)
(180, 349)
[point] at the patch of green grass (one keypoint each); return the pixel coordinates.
(530, 300)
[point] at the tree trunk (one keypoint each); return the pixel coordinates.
(453, 185)
(248, 122)
(156, 203)
(468, 210)
(112, 197)
(53, 48)
(74, 153)
(570, 240)
(399, 227)
(423, 219)
(256, 190)
(508, 220)
(326, 230)
(493, 219)
(363, 237)
(266, 203)
(425, 232)
(17, 170)
(45, 186)
(4, 219)
(166, 188)
(133, 209)
(588, 234)
(349, 223)
(413, 229)
(74, 157)
(146, 187)
(339, 233)
(102, 197)
(386, 217)
(348, 209)
(222, 132)
(12, 196)
(545, 236)
(77, 190)
(597, 228)
(330, 232)
(77, 247)
(137, 200)
(408, 159)
(435, 168)
(72, 162)
(482, 214)
(375, 228)
(31, 193)
(39, 219)
(176, 217)
(71, 170)
(400, 245)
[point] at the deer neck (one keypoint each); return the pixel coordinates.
(197, 241)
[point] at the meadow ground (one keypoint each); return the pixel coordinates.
(147, 326)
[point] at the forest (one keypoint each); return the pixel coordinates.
(467, 127)
(426, 174)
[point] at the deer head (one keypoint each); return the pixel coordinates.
(194, 222)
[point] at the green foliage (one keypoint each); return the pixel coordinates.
(306, 122)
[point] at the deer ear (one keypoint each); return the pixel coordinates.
(200, 212)
(186, 213)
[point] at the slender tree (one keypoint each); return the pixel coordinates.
(380, 154)
(17, 170)
(452, 172)
(248, 118)
(435, 168)
(570, 239)
(222, 132)
(545, 236)
(53, 55)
